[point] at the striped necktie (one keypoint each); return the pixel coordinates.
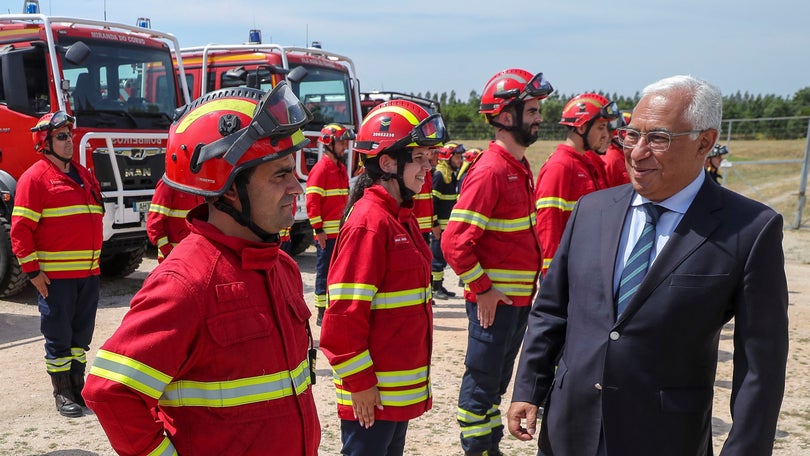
(639, 260)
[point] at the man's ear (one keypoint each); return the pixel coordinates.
(231, 195)
(707, 140)
(388, 164)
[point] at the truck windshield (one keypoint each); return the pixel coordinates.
(327, 94)
(122, 86)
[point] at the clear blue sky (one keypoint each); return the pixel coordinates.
(762, 47)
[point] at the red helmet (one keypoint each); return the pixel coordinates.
(471, 154)
(397, 124)
(335, 132)
(46, 124)
(231, 130)
(588, 107)
(509, 85)
(447, 151)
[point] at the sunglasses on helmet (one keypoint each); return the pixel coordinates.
(610, 111)
(58, 120)
(279, 114)
(347, 135)
(537, 87)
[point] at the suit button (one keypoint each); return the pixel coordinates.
(598, 386)
(614, 335)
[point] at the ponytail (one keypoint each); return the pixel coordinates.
(363, 182)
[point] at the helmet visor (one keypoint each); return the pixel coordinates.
(427, 133)
(610, 111)
(537, 87)
(347, 135)
(58, 120)
(279, 114)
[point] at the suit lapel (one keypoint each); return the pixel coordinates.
(697, 224)
(612, 222)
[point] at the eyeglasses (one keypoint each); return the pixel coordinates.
(63, 136)
(658, 140)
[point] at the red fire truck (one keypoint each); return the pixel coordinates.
(117, 80)
(326, 82)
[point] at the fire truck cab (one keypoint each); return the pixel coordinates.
(118, 81)
(324, 81)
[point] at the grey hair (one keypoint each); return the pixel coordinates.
(705, 109)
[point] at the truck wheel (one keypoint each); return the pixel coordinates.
(123, 263)
(12, 278)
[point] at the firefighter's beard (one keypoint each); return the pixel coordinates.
(527, 134)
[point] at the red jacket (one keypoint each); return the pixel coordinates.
(378, 328)
(423, 205)
(615, 167)
(327, 194)
(490, 239)
(597, 168)
(56, 225)
(166, 221)
(563, 179)
(217, 339)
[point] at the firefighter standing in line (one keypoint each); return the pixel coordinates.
(327, 193)
(445, 193)
(166, 220)
(378, 329)
(713, 161)
(615, 167)
(217, 340)
(568, 173)
(56, 233)
(492, 219)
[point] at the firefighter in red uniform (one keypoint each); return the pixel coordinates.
(493, 220)
(378, 329)
(213, 357)
(568, 174)
(327, 193)
(166, 221)
(56, 233)
(615, 168)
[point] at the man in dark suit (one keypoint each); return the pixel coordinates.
(635, 369)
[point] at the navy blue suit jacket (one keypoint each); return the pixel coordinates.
(648, 378)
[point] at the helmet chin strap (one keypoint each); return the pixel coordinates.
(49, 151)
(520, 133)
(403, 157)
(243, 218)
(585, 143)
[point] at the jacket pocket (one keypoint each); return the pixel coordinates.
(696, 280)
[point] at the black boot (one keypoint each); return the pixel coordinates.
(77, 385)
(63, 396)
(320, 315)
(446, 291)
(439, 292)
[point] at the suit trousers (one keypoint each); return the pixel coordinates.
(491, 354)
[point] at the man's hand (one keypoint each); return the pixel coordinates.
(364, 403)
(321, 238)
(437, 232)
(517, 412)
(488, 304)
(41, 282)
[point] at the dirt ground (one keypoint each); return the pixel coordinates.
(29, 424)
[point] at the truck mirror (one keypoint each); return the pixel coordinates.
(297, 74)
(77, 53)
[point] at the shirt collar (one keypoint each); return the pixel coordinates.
(680, 201)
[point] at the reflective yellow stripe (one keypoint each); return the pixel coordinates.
(331, 226)
(422, 196)
(353, 365)
(67, 211)
(163, 240)
(551, 202)
(338, 192)
(402, 298)
(473, 274)
(445, 196)
(237, 392)
(351, 292)
(163, 210)
(28, 258)
(63, 266)
(131, 373)
(470, 217)
(425, 222)
(512, 225)
(78, 354)
(20, 211)
(313, 190)
(315, 220)
(45, 255)
(57, 365)
(164, 449)
(395, 379)
(546, 263)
